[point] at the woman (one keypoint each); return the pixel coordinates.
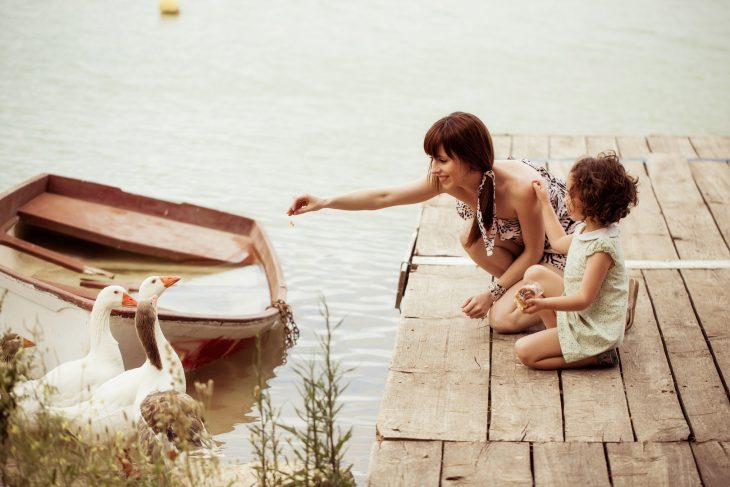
(507, 235)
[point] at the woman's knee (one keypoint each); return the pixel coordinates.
(535, 273)
(502, 321)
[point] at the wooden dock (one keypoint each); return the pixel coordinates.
(460, 409)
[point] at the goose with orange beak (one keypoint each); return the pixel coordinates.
(11, 344)
(72, 382)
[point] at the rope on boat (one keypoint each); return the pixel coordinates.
(287, 317)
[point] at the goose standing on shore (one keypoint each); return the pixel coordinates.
(72, 382)
(114, 408)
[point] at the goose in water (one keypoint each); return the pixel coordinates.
(171, 422)
(114, 407)
(11, 344)
(73, 381)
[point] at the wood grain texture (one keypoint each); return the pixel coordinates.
(701, 391)
(632, 147)
(710, 294)
(439, 231)
(594, 406)
(581, 464)
(525, 402)
(654, 464)
(655, 410)
(671, 144)
(689, 221)
(596, 144)
(439, 291)
(535, 147)
(713, 181)
(713, 461)
(711, 146)
(399, 463)
(568, 147)
(479, 464)
(502, 146)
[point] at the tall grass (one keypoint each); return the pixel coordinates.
(318, 446)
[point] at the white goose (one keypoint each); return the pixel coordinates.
(115, 406)
(73, 381)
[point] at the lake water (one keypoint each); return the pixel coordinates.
(242, 105)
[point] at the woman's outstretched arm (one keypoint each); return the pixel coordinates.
(367, 199)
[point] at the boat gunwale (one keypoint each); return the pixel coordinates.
(268, 259)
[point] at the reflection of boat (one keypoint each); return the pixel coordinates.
(57, 230)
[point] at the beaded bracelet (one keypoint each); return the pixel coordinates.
(496, 290)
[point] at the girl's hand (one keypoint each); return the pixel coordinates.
(477, 306)
(304, 204)
(534, 305)
(540, 188)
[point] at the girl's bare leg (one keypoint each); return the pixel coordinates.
(541, 350)
(504, 317)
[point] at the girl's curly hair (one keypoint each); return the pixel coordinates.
(604, 188)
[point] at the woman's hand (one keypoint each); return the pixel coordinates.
(540, 188)
(534, 305)
(478, 306)
(304, 204)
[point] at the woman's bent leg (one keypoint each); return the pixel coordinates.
(504, 317)
(494, 264)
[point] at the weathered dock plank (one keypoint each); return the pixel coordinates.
(632, 147)
(568, 147)
(536, 147)
(502, 145)
(711, 146)
(439, 291)
(713, 181)
(655, 464)
(710, 293)
(690, 223)
(581, 464)
(399, 463)
(494, 464)
(596, 144)
(644, 233)
(701, 391)
(525, 402)
(672, 144)
(594, 406)
(655, 410)
(713, 461)
(439, 232)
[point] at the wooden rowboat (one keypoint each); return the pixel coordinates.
(63, 239)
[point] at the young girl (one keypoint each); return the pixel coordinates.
(591, 299)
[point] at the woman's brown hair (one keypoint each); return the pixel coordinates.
(464, 136)
(602, 185)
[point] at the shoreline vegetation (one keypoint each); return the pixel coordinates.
(40, 449)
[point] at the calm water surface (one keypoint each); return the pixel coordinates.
(240, 106)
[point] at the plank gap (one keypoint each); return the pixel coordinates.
(626, 395)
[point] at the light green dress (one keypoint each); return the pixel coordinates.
(599, 327)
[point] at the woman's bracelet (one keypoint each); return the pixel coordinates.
(496, 290)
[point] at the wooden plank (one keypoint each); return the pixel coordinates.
(631, 147)
(645, 220)
(712, 146)
(701, 391)
(713, 461)
(654, 464)
(479, 464)
(713, 181)
(530, 147)
(711, 297)
(581, 464)
(439, 291)
(441, 345)
(594, 406)
(521, 413)
(569, 147)
(435, 406)
(439, 231)
(398, 463)
(690, 223)
(502, 146)
(596, 144)
(655, 410)
(671, 144)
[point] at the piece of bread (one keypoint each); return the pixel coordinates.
(528, 291)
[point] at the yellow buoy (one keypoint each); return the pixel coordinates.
(169, 7)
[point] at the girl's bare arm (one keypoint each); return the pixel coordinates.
(559, 240)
